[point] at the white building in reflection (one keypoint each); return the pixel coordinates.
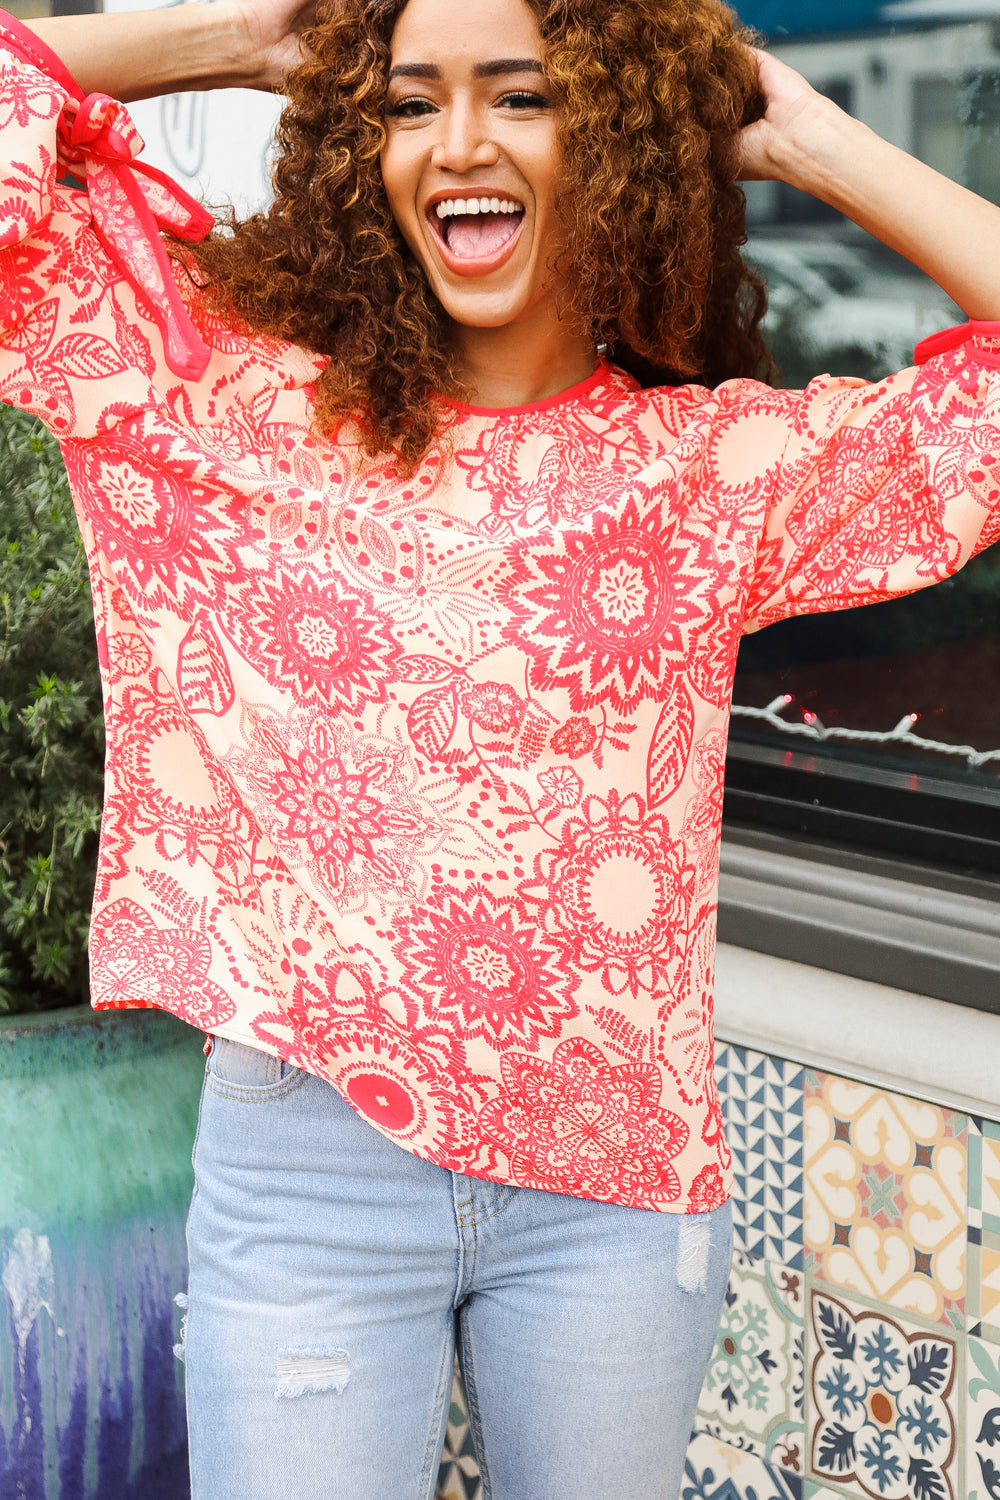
(925, 74)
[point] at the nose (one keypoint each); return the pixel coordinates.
(464, 140)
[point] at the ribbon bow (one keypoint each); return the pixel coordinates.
(131, 202)
(87, 128)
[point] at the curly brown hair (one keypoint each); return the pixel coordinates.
(652, 95)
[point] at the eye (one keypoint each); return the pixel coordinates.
(408, 109)
(524, 99)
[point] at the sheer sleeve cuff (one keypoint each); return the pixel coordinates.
(131, 203)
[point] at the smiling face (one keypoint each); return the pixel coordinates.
(471, 161)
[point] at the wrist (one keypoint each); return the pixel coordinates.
(822, 151)
(233, 44)
(140, 54)
(215, 48)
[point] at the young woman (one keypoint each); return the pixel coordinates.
(418, 614)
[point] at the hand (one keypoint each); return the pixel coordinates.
(793, 116)
(946, 231)
(271, 31)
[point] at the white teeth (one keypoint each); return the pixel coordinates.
(450, 207)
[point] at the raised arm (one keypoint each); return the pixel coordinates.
(806, 141)
(138, 54)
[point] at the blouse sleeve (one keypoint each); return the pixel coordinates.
(83, 268)
(884, 489)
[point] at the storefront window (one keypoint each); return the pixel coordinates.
(879, 727)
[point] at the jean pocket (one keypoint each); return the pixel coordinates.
(242, 1072)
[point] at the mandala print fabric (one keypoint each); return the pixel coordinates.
(417, 782)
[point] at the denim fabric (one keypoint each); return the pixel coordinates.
(331, 1272)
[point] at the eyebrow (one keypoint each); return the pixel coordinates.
(500, 67)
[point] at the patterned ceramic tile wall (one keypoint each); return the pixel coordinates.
(883, 1399)
(983, 1270)
(754, 1387)
(762, 1103)
(459, 1476)
(982, 1420)
(886, 1195)
(859, 1350)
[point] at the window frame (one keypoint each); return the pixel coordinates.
(910, 815)
(900, 924)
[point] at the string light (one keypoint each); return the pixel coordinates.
(814, 729)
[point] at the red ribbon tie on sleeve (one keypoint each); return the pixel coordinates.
(132, 203)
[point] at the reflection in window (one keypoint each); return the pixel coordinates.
(957, 128)
(878, 727)
(980, 106)
(36, 10)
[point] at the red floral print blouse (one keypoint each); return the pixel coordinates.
(417, 782)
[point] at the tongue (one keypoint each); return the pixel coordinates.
(471, 235)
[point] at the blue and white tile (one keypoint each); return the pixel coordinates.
(762, 1105)
(459, 1477)
(982, 1421)
(883, 1402)
(720, 1471)
(753, 1390)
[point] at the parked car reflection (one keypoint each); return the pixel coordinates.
(842, 308)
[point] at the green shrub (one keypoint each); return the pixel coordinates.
(51, 732)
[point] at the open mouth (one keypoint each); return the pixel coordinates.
(476, 229)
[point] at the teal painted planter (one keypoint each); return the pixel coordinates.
(97, 1118)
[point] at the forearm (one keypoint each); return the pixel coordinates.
(139, 54)
(949, 232)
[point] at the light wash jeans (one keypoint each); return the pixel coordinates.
(331, 1272)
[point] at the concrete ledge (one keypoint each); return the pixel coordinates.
(912, 1044)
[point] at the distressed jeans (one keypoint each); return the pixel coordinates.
(332, 1274)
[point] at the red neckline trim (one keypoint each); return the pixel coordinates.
(561, 398)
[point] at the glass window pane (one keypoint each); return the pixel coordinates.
(980, 107)
(957, 127)
(939, 135)
(879, 726)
